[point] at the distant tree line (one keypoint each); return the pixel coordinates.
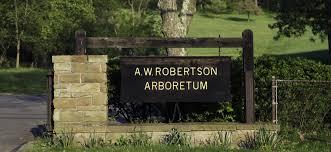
(32, 30)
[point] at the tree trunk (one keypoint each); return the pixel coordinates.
(329, 39)
(18, 40)
(256, 3)
(175, 22)
(328, 3)
(18, 46)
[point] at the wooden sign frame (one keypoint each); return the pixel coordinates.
(245, 42)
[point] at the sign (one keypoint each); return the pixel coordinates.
(175, 79)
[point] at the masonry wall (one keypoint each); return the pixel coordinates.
(80, 91)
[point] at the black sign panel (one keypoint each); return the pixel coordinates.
(175, 79)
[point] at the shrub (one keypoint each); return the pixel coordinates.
(92, 142)
(221, 139)
(262, 139)
(64, 140)
(176, 138)
(136, 139)
(292, 69)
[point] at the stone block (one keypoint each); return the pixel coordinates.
(79, 58)
(69, 78)
(61, 58)
(61, 86)
(56, 78)
(83, 101)
(56, 115)
(96, 115)
(62, 67)
(98, 58)
(100, 99)
(64, 103)
(61, 93)
(103, 88)
(92, 108)
(94, 77)
(85, 87)
(71, 116)
(81, 94)
(104, 68)
(86, 67)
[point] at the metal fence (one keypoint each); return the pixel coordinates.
(301, 103)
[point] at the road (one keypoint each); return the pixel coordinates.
(20, 116)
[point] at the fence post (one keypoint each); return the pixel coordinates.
(50, 106)
(80, 48)
(248, 63)
(273, 100)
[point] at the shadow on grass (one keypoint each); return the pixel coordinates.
(239, 19)
(317, 55)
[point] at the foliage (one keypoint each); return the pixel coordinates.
(221, 139)
(304, 106)
(136, 139)
(295, 17)
(93, 141)
(213, 6)
(220, 112)
(262, 139)
(175, 137)
(248, 7)
(62, 140)
(290, 69)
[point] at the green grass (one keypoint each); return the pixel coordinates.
(232, 25)
(23, 80)
(307, 146)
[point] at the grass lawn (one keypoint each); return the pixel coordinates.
(23, 80)
(232, 25)
(292, 146)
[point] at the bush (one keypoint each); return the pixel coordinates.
(176, 138)
(93, 142)
(283, 68)
(262, 139)
(223, 140)
(136, 139)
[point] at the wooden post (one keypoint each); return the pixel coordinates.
(248, 63)
(328, 9)
(80, 37)
(50, 106)
(273, 100)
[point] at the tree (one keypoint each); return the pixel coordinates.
(295, 17)
(249, 7)
(176, 18)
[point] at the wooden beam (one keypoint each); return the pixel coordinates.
(140, 42)
(248, 63)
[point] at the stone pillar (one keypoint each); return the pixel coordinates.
(80, 91)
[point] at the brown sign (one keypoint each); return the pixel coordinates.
(175, 79)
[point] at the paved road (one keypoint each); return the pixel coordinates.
(20, 116)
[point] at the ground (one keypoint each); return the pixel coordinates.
(232, 25)
(20, 116)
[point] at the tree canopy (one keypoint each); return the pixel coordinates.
(295, 17)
